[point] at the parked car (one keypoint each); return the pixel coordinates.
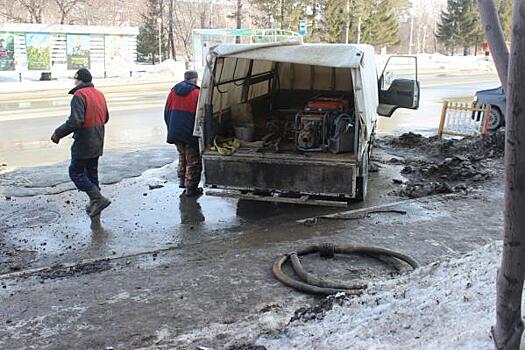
(498, 101)
(311, 112)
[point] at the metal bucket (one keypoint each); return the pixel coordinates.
(244, 132)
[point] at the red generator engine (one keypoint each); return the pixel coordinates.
(325, 124)
(327, 105)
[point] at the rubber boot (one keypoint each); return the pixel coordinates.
(182, 182)
(96, 225)
(193, 191)
(99, 202)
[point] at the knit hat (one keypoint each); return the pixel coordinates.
(190, 74)
(83, 75)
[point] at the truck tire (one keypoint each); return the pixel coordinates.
(362, 180)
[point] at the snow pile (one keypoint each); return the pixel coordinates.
(439, 62)
(447, 305)
(169, 66)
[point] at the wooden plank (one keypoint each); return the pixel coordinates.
(442, 121)
(303, 200)
(453, 133)
(486, 119)
(382, 206)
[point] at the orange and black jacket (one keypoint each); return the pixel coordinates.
(89, 114)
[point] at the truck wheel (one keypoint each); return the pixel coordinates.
(362, 181)
(496, 119)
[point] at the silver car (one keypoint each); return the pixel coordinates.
(498, 101)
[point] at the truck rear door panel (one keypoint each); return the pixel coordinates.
(279, 173)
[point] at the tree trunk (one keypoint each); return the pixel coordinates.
(238, 16)
(509, 326)
(314, 23)
(495, 38)
(171, 38)
(282, 14)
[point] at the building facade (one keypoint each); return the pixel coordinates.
(31, 49)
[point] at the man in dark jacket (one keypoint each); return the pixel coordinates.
(89, 114)
(179, 115)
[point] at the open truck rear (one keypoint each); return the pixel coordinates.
(311, 115)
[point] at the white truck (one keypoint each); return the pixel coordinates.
(305, 114)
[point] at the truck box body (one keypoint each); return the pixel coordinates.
(287, 94)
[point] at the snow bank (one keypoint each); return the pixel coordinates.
(167, 71)
(439, 62)
(447, 305)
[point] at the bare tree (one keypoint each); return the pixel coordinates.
(10, 11)
(65, 7)
(185, 21)
(509, 326)
(35, 8)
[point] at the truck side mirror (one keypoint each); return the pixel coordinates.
(398, 85)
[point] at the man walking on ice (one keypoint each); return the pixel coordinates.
(89, 114)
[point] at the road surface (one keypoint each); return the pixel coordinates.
(137, 118)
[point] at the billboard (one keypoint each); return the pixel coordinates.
(7, 51)
(117, 56)
(38, 51)
(78, 47)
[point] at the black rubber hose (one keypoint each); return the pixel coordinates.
(319, 282)
(314, 285)
(377, 251)
(301, 286)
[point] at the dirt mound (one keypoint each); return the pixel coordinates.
(434, 166)
(456, 168)
(473, 148)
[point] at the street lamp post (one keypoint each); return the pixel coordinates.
(159, 23)
(411, 42)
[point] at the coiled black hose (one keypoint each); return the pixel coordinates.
(314, 285)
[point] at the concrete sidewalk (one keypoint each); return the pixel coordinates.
(219, 292)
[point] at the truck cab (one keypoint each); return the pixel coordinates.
(293, 122)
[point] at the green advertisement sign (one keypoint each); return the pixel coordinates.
(7, 51)
(78, 47)
(38, 51)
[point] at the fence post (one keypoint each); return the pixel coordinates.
(442, 121)
(486, 119)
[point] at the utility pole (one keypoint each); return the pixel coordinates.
(159, 23)
(411, 43)
(424, 43)
(359, 30)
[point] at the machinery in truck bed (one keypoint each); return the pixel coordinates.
(305, 116)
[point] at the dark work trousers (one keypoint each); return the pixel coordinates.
(190, 164)
(84, 173)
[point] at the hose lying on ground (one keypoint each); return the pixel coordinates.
(314, 285)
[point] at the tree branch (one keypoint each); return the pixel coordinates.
(495, 38)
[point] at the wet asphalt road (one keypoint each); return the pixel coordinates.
(137, 119)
